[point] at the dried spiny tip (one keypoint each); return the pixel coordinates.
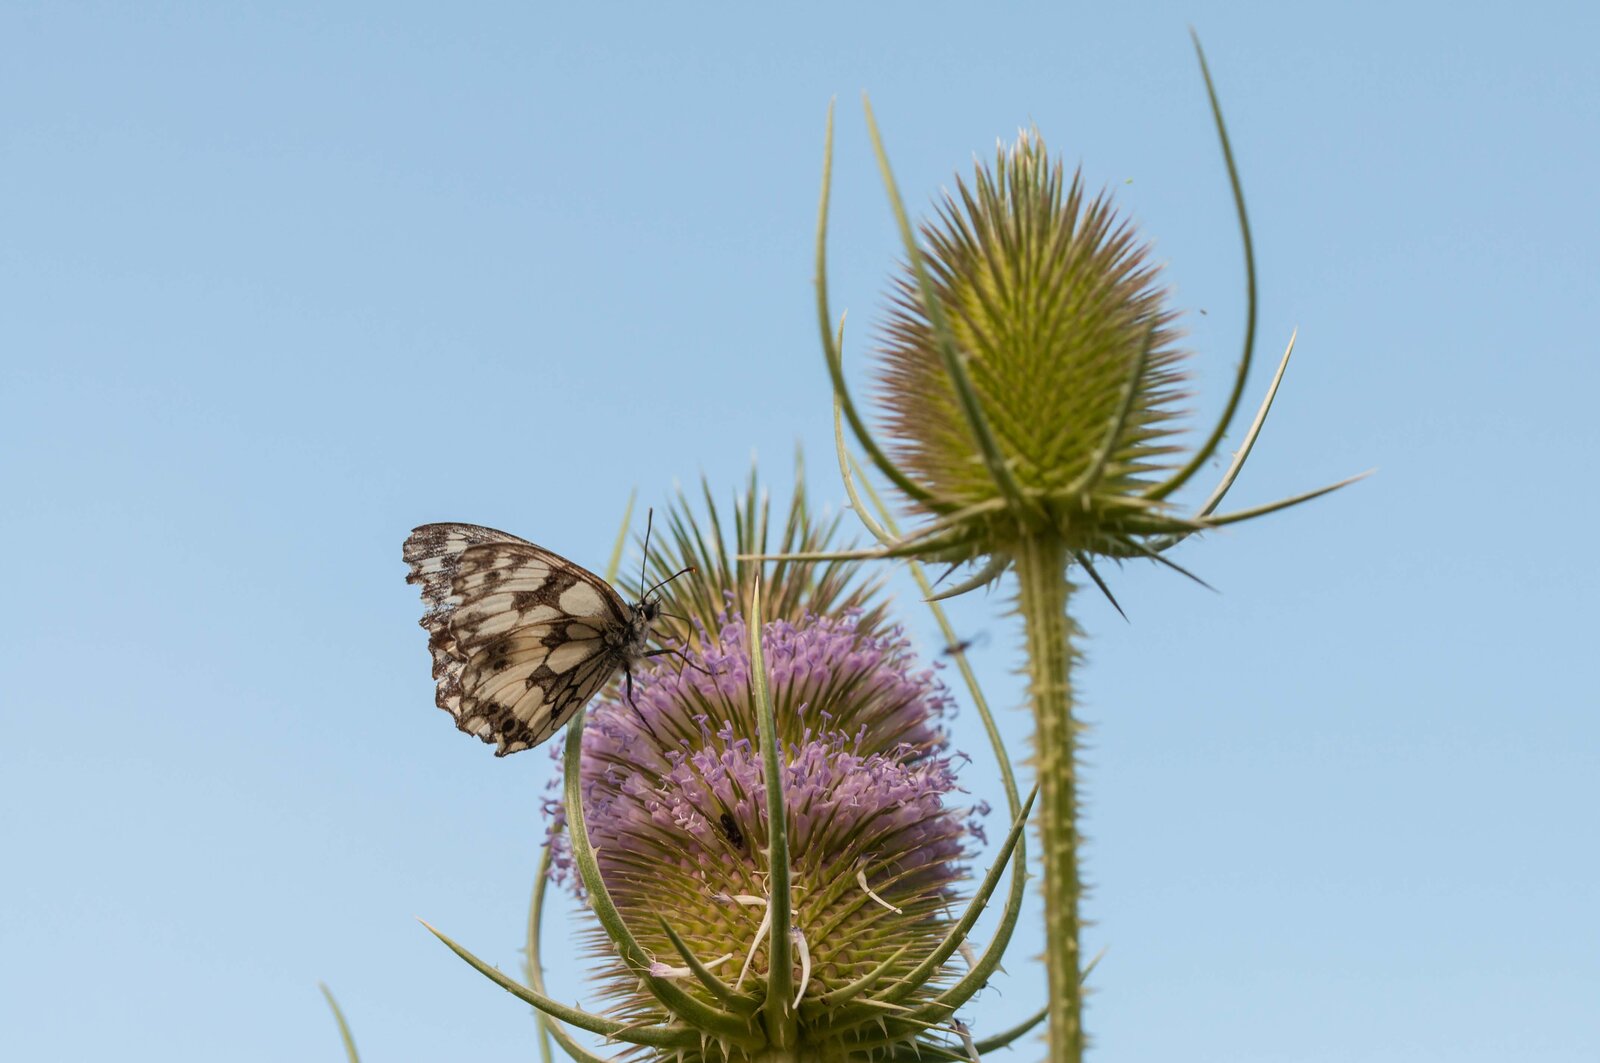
(714, 541)
(676, 806)
(1055, 310)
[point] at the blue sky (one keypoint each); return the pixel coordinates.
(283, 281)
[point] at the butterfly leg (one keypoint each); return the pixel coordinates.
(675, 652)
(627, 687)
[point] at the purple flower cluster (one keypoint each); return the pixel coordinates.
(676, 803)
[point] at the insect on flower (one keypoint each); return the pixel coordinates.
(731, 831)
(521, 637)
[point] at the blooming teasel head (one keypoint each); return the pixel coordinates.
(676, 804)
(722, 932)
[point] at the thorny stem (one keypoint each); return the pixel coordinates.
(1043, 589)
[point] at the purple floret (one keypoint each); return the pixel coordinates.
(674, 779)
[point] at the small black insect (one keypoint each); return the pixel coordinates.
(731, 831)
(963, 645)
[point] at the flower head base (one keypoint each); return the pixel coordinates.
(676, 813)
(1057, 313)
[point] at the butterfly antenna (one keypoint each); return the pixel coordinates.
(682, 571)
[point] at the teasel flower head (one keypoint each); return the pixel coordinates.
(676, 805)
(718, 930)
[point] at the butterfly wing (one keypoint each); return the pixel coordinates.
(520, 637)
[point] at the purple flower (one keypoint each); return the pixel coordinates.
(676, 808)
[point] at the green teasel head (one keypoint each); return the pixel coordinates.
(1068, 343)
(1029, 374)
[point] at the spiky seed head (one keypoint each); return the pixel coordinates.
(1055, 307)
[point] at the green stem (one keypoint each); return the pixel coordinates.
(1041, 565)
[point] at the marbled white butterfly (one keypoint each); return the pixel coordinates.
(521, 638)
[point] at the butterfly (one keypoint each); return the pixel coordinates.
(521, 638)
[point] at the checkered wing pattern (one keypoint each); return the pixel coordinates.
(521, 638)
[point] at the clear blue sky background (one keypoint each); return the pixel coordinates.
(282, 281)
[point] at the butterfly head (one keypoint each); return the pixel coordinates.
(643, 614)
